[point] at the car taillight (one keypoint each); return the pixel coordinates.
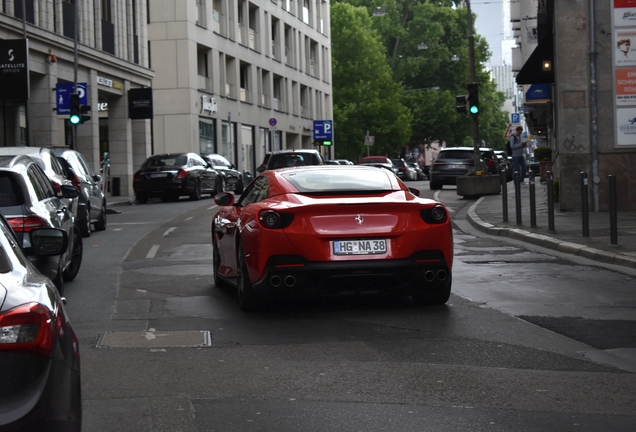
(435, 215)
(490, 162)
(27, 328)
(76, 182)
(403, 169)
(182, 174)
(26, 224)
(136, 177)
(273, 220)
(56, 187)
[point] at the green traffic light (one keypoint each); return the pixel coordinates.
(474, 109)
(326, 143)
(74, 119)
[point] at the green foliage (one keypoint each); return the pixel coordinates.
(366, 97)
(430, 77)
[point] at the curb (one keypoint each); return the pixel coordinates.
(547, 241)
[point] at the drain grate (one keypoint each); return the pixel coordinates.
(155, 339)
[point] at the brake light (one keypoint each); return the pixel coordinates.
(403, 169)
(273, 220)
(182, 174)
(25, 224)
(435, 215)
(490, 162)
(56, 187)
(27, 328)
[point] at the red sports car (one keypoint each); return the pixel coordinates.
(331, 229)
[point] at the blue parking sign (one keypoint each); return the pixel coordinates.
(515, 118)
(63, 93)
(323, 130)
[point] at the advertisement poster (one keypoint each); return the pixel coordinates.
(624, 13)
(625, 47)
(626, 86)
(626, 126)
(14, 70)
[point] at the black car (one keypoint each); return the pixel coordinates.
(453, 162)
(170, 176)
(39, 351)
(229, 178)
(28, 201)
(290, 158)
(92, 200)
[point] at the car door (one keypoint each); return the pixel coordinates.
(59, 215)
(206, 174)
(228, 220)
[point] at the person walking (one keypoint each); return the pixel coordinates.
(518, 160)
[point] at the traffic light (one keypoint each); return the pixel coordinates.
(84, 117)
(323, 142)
(76, 113)
(473, 99)
(462, 104)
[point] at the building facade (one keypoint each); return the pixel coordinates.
(585, 61)
(112, 58)
(238, 77)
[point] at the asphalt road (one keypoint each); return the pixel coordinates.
(528, 341)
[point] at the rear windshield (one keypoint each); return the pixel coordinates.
(165, 160)
(455, 154)
(10, 192)
(398, 162)
(339, 180)
(368, 160)
(291, 160)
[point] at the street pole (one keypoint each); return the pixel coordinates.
(75, 66)
(473, 80)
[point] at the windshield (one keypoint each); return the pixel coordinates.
(455, 154)
(166, 160)
(340, 180)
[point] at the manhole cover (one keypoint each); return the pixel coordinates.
(155, 339)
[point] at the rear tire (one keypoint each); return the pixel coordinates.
(196, 195)
(435, 297)
(246, 299)
(85, 222)
(76, 257)
(100, 225)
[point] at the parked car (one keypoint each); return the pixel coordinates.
(290, 158)
(229, 178)
(405, 172)
(49, 163)
(170, 176)
(344, 161)
(332, 229)
(28, 201)
(41, 381)
(92, 200)
(379, 162)
(419, 174)
(453, 162)
(332, 162)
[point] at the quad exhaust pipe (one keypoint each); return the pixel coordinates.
(290, 281)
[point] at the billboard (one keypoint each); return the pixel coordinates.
(14, 70)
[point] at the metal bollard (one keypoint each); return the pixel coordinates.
(584, 207)
(550, 201)
(504, 195)
(613, 211)
(518, 196)
(533, 203)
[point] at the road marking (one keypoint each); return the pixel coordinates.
(117, 229)
(436, 195)
(189, 218)
(169, 231)
(127, 223)
(152, 252)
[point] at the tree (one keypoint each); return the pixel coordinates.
(366, 97)
(427, 48)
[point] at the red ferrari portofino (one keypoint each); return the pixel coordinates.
(331, 229)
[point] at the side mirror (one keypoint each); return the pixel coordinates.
(48, 241)
(260, 169)
(69, 192)
(97, 178)
(224, 199)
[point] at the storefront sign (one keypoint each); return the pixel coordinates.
(626, 126)
(625, 47)
(626, 86)
(624, 13)
(14, 70)
(140, 103)
(109, 83)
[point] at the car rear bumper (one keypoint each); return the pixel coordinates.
(292, 275)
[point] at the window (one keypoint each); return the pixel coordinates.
(245, 82)
(255, 192)
(107, 11)
(206, 137)
(29, 10)
(200, 12)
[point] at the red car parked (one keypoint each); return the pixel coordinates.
(332, 229)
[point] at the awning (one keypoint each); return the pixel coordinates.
(538, 93)
(532, 71)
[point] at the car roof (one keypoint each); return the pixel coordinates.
(13, 161)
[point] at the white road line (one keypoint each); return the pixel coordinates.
(117, 229)
(152, 252)
(169, 231)
(436, 195)
(189, 218)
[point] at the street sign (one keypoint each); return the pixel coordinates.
(323, 130)
(515, 118)
(63, 93)
(272, 122)
(369, 140)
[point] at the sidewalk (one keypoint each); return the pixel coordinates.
(486, 214)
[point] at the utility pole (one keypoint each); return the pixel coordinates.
(473, 80)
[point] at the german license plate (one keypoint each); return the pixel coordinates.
(359, 247)
(456, 166)
(158, 175)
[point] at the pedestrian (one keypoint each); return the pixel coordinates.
(518, 160)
